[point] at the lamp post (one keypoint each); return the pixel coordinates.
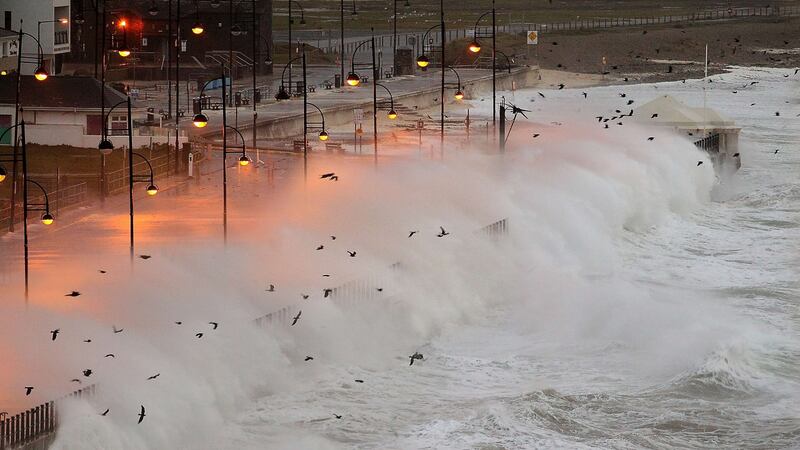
(394, 39)
(40, 74)
(423, 61)
(341, 32)
(201, 120)
(107, 146)
(47, 218)
(354, 80)
(284, 95)
(459, 95)
(475, 47)
(291, 43)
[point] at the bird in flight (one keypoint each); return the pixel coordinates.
(296, 318)
(337, 416)
(333, 238)
(199, 335)
(327, 175)
(320, 247)
(585, 95)
(416, 355)
(55, 333)
(73, 294)
(153, 377)
(535, 135)
(179, 323)
(352, 254)
(75, 380)
(776, 151)
(651, 138)
(214, 324)
(110, 355)
(735, 155)
(141, 415)
(28, 390)
(442, 233)
(541, 95)
(87, 373)
(116, 331)
(654, 115)
(412, 233)
(699, 163)
(271, 288)
(561, 86)
(326, 292)
(102, 271)
(87, 340)
(359, 381)
(105, 413)
(145, 256)
(309, 358)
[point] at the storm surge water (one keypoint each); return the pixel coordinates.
(625, 307)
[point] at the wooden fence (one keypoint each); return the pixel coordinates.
(35, 424)
(364, 289)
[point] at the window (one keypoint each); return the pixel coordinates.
(94, 125)
(5, 124)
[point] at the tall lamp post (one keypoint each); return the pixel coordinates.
(40, 74)
(200, 120)
(475, 47)
(106, 145)
(423, 61)
(394, 39)
(353, 79)
(47, 218)
(341, 32)
(291, 43)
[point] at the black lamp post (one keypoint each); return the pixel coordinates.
(354, 80)
(423, 61)
(459, 92)
(475, 47)
(394, 39)
(341, 32)
(107, 145)
(291, 43)
(47, 218)
(201, 120)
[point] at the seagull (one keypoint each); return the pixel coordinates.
(104, 413)
(87, 340)
(333, 238)
(199, 335)
(416, 355)
(305, 296)
(327, 175)
(178, 323)
(699, 163)
(412, 233)
(309, 358)
(337, 416)
(336, 177)
(87, 373)
(214, 324)
(654, 115)
(110, 355)
(55, 333)
(735, 155)
(116, 331)
(75, 380)
(327, 292)
(271, 288)
(379, 289)
(141, 415)
(585, 95)
(145, 256)
(630, 102)
(153, 377)
(73, 294)
(102, 271)
(535, 135)
(776, 151)
(359, 381)
(561, 86)
(541, 95)
(352, 254)
(443, 233)
(651, 138)
(296, 318)
(320, 247)
(28, 390)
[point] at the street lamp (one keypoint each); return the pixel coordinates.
(282, 93)
(475, 47)
(323, 135)
(423, 62)
(394, 39)
(459, 93)
(341, 32)
(291, 43)
(375, 83)
(392, 113)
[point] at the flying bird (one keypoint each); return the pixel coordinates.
(296, 318)
(442, 233)
(102, 271)
(153, 377)
(699, 163)
(73, 294)
(654, 115)
(75, 380)
(271, 288)
(333, 238)
(416, 355)
(535, 135)
(110, 355)
(28, 390)
(735, 155)
(337, 416)
(412, 233)
(87, 340)
(145, 256)
(105, 413)
(776, 151)
(320, 247)
(585, 95)
(651, 138)
(326, 293)
(309, 358)
(327, 175)
(214, 324)
(352, 254)
(55, 333)
(87, 373)
(116, 331)
(141, 414)
(179, 323)
(541, 95)
(199, 335)
(359, 381)
(561, 86)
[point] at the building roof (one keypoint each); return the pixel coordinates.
(58, 92)
(674, 113)
(8, 34)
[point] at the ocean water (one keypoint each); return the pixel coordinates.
(637, 302)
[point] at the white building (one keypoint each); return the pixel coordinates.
(46, 19)
(706, 128)
(65, 110)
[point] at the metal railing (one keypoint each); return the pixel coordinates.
(36, 423)
(61, 198)
(118, 179)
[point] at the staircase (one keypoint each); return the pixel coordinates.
(215, 58)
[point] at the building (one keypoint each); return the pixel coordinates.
(8, 51)
(706, 128)
(48, 20)
(65, 110)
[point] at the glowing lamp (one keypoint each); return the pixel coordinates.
(3, 72)
(423, 61)
(459, 95)
(282, 94)
(200, 120)
(197, 28)
(48, 218)
(353, 79)
(474, 47)
(124, 52)
(152, 190)
(122, 23)
(41, 74)
(3, 174)
(63, 20)
(323, 135)
(392, 115)
(244, 160)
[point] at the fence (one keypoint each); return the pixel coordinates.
(60, 198)
(414, 39)
(36, 423)
(710, 144)
(363, 289)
